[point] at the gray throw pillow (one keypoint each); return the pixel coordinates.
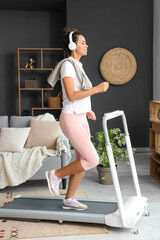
(3, 121)
(20, 121)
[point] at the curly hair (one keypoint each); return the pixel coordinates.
(65, 38)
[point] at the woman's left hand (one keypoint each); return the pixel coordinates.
(91, 115)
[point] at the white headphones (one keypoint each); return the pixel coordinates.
(71, 45)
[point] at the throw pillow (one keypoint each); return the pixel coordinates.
(20, 121)
(43, 133)
(13, 139)
(3, 121)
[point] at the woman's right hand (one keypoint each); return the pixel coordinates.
(102, 87)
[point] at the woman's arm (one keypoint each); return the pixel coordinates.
(76, 95)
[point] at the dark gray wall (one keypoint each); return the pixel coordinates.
(156, 50)
(23, 29)
(107, 24)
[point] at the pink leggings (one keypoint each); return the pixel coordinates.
(75, 127)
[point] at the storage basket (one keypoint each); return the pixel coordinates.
(31, 84)
(54, 102)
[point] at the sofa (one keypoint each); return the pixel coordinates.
(49, 162)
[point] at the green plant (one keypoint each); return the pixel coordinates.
(117, 140)
(32, 78)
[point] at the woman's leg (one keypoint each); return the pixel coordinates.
(70, 169)
(76, 129)
(79, 135)
(54, 178)
(74, 180)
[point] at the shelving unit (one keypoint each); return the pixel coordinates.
(154, 139)
(45, 60)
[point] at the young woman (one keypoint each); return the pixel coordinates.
(73, 119)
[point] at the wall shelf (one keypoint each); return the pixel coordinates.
(45, 60)
(36, 69)
(35, 89)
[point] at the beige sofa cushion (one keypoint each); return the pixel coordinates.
(13, 139)
(43, 133)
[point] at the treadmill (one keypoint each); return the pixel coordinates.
(124, 214)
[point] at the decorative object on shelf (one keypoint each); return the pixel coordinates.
(30, 64)
(118, 66)
(158, 114)
(54, 102)
(32, 83)
(32, 78)
(26, 112)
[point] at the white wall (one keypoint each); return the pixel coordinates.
(156, 49)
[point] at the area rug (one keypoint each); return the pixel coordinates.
(21, 229)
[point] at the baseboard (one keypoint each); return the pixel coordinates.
(143, 150)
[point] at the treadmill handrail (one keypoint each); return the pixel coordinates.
(114, 114)
(114, 175)
(112, 162)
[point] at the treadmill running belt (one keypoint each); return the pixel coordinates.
(41, 206)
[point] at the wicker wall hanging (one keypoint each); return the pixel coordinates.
(118, 66)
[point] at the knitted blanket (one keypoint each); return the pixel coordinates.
(16, 168)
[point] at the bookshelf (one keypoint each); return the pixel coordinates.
(154, 139)
(33, 77)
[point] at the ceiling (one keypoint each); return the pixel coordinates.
(33, 5)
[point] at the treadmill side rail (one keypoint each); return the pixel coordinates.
(55, 216)
(133, 167)
(116, 186)
(136, 205)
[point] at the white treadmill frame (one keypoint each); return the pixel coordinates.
(133, 200)
(124, 217)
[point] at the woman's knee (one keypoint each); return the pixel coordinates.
(90, 163)
(95, 162)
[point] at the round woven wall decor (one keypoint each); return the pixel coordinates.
(118, 66)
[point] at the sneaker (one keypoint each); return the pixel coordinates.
(72, 203)
(53, 183)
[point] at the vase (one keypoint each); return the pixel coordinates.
(102, 172)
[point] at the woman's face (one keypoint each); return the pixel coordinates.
(81, 46)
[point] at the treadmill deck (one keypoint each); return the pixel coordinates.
(50, 208)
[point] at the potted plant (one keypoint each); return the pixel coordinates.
(117, 140)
